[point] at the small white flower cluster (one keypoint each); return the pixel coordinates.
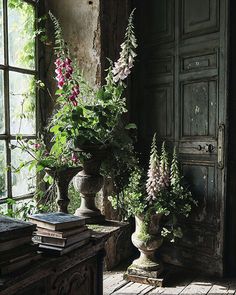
(122, 67)
(152, 185)
(158, 173)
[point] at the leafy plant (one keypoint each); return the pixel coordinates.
(163, 193)
(85, 115)
(88, 115)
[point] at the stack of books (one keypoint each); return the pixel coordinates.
(59, 233)
(16, 247)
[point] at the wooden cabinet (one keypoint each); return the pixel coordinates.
(79, 272)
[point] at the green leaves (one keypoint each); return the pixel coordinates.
(131, 126)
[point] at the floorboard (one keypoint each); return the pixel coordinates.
(183, 285)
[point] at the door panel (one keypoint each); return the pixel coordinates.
(180, 93)
(160, 100)
(198, 105)
(196, 62)
(204, 186)
(163, 30)
(199, 17)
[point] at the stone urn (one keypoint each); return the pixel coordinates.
(148, 240)
(62, 178)
(89, 182)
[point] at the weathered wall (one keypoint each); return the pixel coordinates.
(80, 22)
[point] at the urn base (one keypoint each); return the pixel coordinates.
(148, 270)
(91, 216)
(157, 282)
(143, 263)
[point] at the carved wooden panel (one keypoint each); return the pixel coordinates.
(161, 66)
(199, 17)
(163, 29)
(79, 279)
(201, 177)
(199, 62)
(37, 288)
(199, 108)
(158, 101)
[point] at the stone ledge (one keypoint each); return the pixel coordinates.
(117, 237)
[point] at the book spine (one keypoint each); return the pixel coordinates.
(49, 241)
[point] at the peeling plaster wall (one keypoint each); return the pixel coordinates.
(80, 22)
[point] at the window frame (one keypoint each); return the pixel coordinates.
(7, 137)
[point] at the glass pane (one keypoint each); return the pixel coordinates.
(1, 34)
(2, 125)
(23, 208)
(3, 209)
(2, 169)
(23, 181)
(22, 103)
(21, 18)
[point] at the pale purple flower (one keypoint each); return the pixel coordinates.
(153, 185)
(122, 67)
(164, 180)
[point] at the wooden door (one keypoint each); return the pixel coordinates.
(179, 91)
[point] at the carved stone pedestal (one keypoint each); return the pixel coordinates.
(88, 183)
(88, 186)
(62, 178)
(147, 268)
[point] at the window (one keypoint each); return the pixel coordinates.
(18, 103)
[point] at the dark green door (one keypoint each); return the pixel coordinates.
(180, 93)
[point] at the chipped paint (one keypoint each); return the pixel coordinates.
(197, 110)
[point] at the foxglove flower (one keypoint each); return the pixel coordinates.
(64, 71)
(122, 67)
(152, 185)
(164, 180)
(37, 146)
(174, 171)
(74, 158)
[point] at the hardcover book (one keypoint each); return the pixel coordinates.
(60, 234)
(58, 251)
(11, 244)
(57, 220)
(11, 228)
(62, 242)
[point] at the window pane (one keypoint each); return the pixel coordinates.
(24, 181)
(1, 34)
(3, 209)
(22, 103)
(21, 18)
(23, 208)
(2, 127)
(2, 169)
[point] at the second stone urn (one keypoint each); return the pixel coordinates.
(62, 178)
(147, 268)
(88, 182)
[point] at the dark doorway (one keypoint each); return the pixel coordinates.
(180, 92)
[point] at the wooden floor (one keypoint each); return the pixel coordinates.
(188, 284)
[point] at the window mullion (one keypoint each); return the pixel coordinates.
(7, 70)
(6, 101)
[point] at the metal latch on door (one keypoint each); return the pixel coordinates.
(209, 148)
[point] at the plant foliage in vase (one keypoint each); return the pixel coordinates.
(90, 115)
(84, 115)
(161, 192)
